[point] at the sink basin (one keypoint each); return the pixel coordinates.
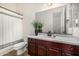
(67, 39)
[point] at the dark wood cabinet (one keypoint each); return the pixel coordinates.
(31, 47)
(41, 50)
(53, 49)
(37, 47)
(53, 52)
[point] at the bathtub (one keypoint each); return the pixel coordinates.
(6, 50)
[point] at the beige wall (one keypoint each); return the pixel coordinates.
(29, 11)
(19, 8)
(13, 6)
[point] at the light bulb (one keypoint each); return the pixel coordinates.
(50, 4)
(76, 21)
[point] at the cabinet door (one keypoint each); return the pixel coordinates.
(41, 50)
(76, 50)
(67, 50)
(31, 49)
(53, 52)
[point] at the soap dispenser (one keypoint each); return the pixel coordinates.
(49, 33)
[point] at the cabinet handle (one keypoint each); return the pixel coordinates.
(50, 49)
(70, 49)
(63, 53)
(41, 46)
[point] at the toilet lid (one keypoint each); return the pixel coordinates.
(19, 44)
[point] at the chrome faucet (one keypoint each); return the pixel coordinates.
(49, 33)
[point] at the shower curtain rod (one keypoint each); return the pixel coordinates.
(10, 10)
(10, 13)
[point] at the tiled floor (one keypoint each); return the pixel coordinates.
(13, 53)
(25, 54)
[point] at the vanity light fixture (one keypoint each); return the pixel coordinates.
(50, 4)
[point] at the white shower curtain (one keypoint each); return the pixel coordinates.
(10, 28)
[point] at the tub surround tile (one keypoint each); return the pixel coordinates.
(10, 44)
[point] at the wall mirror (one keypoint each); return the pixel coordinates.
(60, 20)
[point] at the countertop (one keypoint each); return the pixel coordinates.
(59, 38)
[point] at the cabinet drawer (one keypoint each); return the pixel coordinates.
(48, 44)
(42, 42)
(31, 40)
(54, 45)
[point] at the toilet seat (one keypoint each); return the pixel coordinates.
(19, 45)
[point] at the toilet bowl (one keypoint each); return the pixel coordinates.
(19, 45)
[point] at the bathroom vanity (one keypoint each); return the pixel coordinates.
(53, 46)
(60, 20)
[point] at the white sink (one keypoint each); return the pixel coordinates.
(67, 39)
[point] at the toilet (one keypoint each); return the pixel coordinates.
(20, 47)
